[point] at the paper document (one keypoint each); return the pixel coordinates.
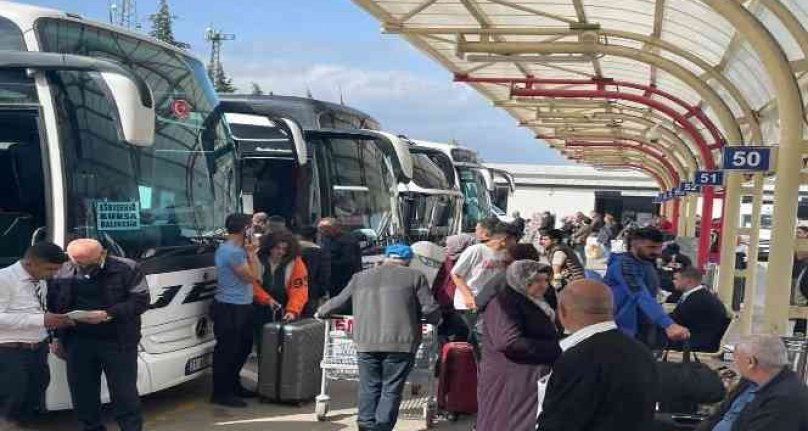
(78, 314)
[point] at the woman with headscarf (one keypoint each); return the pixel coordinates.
(519, 347)
(443, 288)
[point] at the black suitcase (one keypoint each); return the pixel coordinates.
(289, 368)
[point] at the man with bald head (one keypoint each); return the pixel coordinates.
(604, 380)
(112, 293)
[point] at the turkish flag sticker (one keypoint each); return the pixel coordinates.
(180, 109)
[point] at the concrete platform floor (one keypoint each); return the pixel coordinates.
(186, 408)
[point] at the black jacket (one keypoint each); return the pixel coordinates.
(605, 383)
(706, 318)
(125, 296)
(780, 405)
(346, 260)
(318, 264)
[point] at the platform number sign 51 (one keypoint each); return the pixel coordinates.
(709, 178)
(747, 158)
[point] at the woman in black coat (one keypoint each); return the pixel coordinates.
(519, 347)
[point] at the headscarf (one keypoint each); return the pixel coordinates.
(457, 244)
(520, 275)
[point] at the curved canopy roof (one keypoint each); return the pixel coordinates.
(674, 75)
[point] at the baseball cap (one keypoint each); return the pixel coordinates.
(398, 251)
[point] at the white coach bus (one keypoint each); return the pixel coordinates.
(109, 134)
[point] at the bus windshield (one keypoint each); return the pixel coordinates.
(363, 186)
(428, 217)
(477, 204)
(140, 201)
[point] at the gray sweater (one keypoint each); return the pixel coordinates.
(389, 302)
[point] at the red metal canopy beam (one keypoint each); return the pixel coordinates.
(601, 83)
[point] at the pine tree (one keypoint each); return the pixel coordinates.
(162, 22)
(256, 89)
(222, 83)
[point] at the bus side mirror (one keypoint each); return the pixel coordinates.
(132, 96)
(136, 119)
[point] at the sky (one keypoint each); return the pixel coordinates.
(330, 47)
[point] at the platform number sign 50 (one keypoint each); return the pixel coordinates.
(709, 178)
(747, 158)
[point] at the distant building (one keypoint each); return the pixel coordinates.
(565, 189)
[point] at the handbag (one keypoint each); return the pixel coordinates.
(682, 386)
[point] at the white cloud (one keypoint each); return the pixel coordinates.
(429, 107)
(357, 84)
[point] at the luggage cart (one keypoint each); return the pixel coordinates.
(340, 363)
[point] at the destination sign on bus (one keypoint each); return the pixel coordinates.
(117, 215)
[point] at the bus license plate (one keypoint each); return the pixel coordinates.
(199, 363)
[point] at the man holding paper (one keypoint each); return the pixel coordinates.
(105, 295)
(24, 326)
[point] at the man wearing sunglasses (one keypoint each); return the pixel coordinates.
(106, 295)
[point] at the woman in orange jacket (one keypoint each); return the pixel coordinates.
(284, 286)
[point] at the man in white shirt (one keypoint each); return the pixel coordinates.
(24, 326)
(478, 266)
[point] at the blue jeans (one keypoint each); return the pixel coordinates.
(381, 381)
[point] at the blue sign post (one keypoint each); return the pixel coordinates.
(709, 178)
(747, 158)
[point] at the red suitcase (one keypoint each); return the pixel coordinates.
(457, 379)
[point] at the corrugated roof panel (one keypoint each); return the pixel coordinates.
(783, 36)
(675, 86)
(694, 27)
(745, 70)
(628, 15)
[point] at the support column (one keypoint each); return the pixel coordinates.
(693, 203)
(789, 161)
(729, 234)
(750, 283)
(675, 212)
(681, 228)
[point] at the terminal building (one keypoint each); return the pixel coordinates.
(565, 189)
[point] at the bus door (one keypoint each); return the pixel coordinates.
(23, 202)
(503, 189)
(359, 175)
(276, 176)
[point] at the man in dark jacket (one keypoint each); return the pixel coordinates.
(388, 302)
(770, 396)
(700, 311)
(112, 293)
(343, 252)
(318, 264)
(604, 380)
(669, 263)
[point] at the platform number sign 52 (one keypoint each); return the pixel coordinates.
(747, 158)
(709, 178)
